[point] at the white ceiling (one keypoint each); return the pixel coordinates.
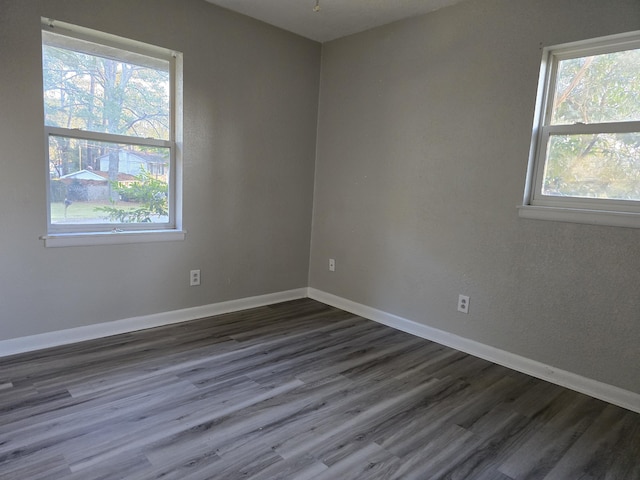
(336, 18)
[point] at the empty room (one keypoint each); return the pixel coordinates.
(320, 239)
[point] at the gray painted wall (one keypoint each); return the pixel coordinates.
(251, 99)
(423, 139)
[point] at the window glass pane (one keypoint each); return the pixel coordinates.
(104, 94)
(100, 182)
(605, 165)
(599, 88)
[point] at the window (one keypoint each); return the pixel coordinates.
(585, 160)
(110, 125)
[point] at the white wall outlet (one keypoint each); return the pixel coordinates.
(194, 278)
(332, 264)
(463, 303)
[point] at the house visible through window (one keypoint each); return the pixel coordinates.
(110, 126)
(585, 163)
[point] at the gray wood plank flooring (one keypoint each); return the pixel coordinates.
(297, 390)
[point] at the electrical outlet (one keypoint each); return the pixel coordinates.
(332, 265)
(463, 303)
(194, 278)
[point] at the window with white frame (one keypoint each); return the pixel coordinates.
(585, 154)
(110, 133)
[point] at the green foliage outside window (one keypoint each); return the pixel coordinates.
(148, 192)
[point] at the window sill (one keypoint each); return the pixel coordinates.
(111, 238)
(576, 215)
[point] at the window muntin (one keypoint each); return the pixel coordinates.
(109, 107)
(586, 144)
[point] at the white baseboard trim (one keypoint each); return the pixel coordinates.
(90, 332)
(608, 393)
(588, 386)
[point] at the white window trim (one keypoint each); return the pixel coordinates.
(592, 211)
(109, 234)
(115, 237)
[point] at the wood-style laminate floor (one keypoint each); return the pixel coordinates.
(296, 390)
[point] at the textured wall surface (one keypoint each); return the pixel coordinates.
(423, 140)
(250, 112)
